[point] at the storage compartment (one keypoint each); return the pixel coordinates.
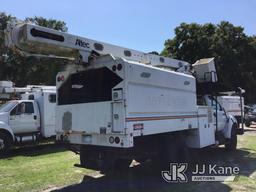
(205, 134)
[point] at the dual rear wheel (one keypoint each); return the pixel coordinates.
(102, 161)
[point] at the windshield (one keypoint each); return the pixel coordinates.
(7, 106)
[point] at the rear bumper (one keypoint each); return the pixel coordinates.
(104, 140)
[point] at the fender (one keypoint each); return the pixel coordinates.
(231, 121)
(6, 127)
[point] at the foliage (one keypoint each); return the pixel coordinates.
(234, 52)
(154, 53)
(50, 23)
(29, 70)
(47, 167)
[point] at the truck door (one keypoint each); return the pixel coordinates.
(221, 116)
(23, 118)
(222, 119)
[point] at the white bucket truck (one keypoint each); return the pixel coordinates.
(116, 104)
(28, 118)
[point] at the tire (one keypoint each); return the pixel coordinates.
(173, 151)
(5, 142)
(115, 166)
(247, 124)
(86, 159)
(89, 159)
(122, 164)
(231, 144)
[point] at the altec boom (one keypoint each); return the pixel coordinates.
(116, 104)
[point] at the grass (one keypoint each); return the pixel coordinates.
(48, 167)
(39, 169)
(244, 158)
(247, 163)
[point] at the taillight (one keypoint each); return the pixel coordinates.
(60, 78)
(119, 67)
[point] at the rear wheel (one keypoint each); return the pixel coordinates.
(86, 158)
(5, 142)
(232, 142)
(247, 124)
(101, 160)
(122, 164)
(173, 150)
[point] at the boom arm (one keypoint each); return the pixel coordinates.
(33, 39)
(7, 89)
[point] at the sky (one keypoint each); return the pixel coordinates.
(143, 25)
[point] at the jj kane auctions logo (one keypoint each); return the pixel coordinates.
(179, 173)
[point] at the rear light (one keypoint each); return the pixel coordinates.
(117, 140)
(119, 67)
(113, 68)
(111, 139)
(60, 78)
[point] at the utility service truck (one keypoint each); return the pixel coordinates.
(28, 117)
(233, 105)
(116, 104)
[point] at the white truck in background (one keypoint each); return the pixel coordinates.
(28, 118)
(233, 105)
(116, 104)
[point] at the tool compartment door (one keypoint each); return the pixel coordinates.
(204, 135)
(118, 117)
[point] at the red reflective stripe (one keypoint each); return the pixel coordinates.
(162, 118)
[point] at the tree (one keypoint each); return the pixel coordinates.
(234, 52)
(49, 23)
(29, 70)
(154, 53)
(5, 54)
(4, 18)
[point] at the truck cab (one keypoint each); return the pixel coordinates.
(219, 111)
(233, 105)
(18, 118)
(24, 117)
(222, 119)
